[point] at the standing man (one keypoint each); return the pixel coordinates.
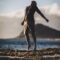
(29, 22)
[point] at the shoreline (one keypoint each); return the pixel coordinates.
(49, 53)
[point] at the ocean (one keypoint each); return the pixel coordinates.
(21, 44)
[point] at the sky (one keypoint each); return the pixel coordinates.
(13, 5)
(12, 13)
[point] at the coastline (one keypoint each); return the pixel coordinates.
(43, 54)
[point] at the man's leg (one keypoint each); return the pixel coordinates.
(27, 37)
(34, 37)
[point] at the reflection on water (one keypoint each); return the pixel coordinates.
(21, 44)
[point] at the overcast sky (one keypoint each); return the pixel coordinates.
(13, 5)
(15, 8)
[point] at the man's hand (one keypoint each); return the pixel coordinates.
(22, 23)
(47, 20)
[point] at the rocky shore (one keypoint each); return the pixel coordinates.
(43, 54)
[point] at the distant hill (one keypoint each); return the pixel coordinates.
(43, 31)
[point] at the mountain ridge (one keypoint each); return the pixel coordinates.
(43, 31)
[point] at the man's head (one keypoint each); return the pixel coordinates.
(33, 3)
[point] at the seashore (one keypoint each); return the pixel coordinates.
(43, 54)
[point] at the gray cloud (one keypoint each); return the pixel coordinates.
(10, 22)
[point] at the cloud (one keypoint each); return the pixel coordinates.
(52, 12)
(10, 24)
(53, 9)
(18, 13)
(10, 27)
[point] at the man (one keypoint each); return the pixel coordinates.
(29, 22)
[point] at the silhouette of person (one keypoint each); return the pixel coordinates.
(29, 22)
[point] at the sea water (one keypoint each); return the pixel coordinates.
(21, 44)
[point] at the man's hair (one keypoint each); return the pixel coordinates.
(33, 3)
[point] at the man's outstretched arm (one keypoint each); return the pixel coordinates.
(41, 14)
